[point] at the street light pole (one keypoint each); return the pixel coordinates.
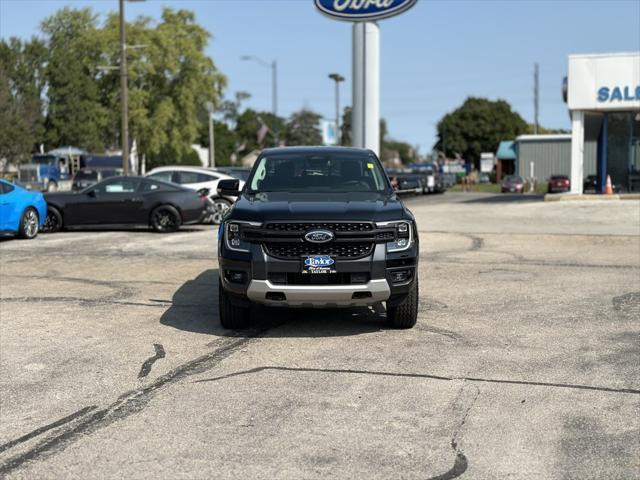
(337, 78)
(124, 100)
(212, 150)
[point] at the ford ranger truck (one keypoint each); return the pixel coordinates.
(317, 227)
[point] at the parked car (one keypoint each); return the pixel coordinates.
(484, 178)
(22, 212)
(85, 177)
(125, 201)
(236, 172)
(559, 183)
(512, 184)
(405, 182)
(321, 227)
(197, 178)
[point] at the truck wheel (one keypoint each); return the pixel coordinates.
(231, 316)
(405, 315)
(53, 221)
(29, 224)
(165, 218)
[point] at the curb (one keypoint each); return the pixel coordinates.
(568, 197)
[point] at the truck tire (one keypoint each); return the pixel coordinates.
(231, 316)
(29, 224)
(53, 221)
(405, 315)
(165, 219)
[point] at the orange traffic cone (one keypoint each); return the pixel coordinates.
(608, 190)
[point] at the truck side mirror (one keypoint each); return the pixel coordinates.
(229, 188)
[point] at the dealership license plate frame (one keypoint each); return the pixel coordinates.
(310, 269)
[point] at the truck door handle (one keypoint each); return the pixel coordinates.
(134, 199)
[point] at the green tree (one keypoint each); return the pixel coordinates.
(21, 89)
(248, 126)
(171, 79)
(75, 115)
(478, 126)
(303, 128)
(404, 150)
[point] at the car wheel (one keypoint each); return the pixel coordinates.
(53, 221)
(165, 219)
(231, 316)
(52, 186)
(220, 207)
(29, 224)
(405, 315)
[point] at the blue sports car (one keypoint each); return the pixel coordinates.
(21, 212)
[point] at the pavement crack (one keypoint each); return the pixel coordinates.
(129, 403)
(46, 428)
(422, 375)
(148, 363)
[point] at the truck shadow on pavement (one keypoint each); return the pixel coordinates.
(194, 308)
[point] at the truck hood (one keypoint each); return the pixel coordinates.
(361, 206)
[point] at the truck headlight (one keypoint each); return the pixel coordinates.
(404, 235)
(233, 237)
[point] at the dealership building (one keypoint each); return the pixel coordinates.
(603, 96)
(602, 92)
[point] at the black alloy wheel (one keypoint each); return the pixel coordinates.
(53, 221)
(165, 219)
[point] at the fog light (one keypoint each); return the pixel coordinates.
(400, 276)
(402, 242)
(235, 276)
(235, 242)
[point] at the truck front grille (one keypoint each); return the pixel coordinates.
(333, 226)
(295, 250)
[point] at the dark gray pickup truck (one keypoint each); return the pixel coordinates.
(317, 227)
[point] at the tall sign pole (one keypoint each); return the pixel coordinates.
(366, 86)
(366, 60)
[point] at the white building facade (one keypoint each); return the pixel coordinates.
(603, 96)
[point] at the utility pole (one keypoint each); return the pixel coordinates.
(124, 94)
(337, 78)
(212, 150)
(536, 97)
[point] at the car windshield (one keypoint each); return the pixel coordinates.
(513, 178)
(331, 172)
(239, 174)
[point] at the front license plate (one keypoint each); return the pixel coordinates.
(318, 264)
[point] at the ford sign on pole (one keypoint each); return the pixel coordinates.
(363, 10)
(365, 116)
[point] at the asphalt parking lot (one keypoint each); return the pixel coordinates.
(525, 362)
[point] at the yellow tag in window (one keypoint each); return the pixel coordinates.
(370, 165)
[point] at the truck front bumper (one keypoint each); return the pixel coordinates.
(325, 296)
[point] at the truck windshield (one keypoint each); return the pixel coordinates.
(312, 173)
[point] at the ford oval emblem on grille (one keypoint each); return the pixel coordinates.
(318, 236)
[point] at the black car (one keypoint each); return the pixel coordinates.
(125, 201)
(317, 227)
(86, 177)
